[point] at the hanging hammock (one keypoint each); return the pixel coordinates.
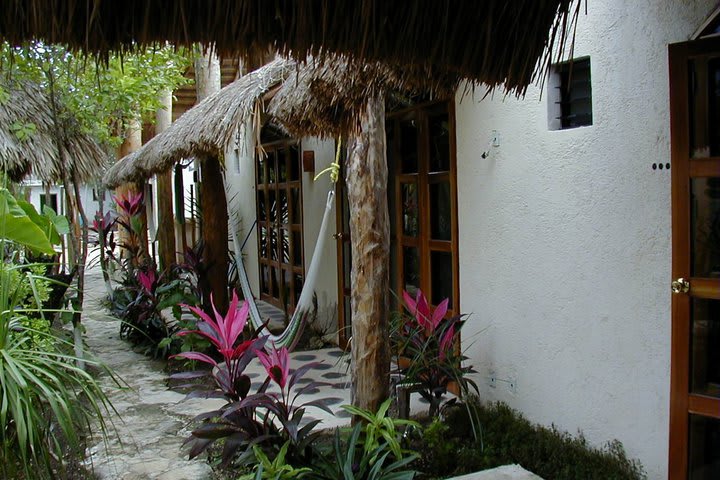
(290, 336)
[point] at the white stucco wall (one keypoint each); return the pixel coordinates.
(314, 200)
(565, 238)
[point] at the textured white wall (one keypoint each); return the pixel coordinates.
(565, 238)
(240, 177)
(314, 200)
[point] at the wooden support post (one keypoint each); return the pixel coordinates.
(366, 178)
(132, 142)
(212, 198)
(164, 191)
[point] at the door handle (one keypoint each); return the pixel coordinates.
(338, 236)
(680, 285)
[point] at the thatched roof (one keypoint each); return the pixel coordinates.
(206, 129)
(323, 99)
(27, 106)
(496, 42)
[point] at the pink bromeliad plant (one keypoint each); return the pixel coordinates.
(225, 334)
(265, 419)
(426, 349)
(282, 406)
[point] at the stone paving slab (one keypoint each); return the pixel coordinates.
(507, 472)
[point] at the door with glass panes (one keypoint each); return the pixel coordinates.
(423, 202)
(280, 224)
(694, 447)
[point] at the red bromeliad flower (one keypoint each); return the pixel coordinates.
(130, 203)
(276, 364)
(420, 310)
(223, 332)
(147, 280)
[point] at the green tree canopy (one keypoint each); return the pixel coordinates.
(102, 97)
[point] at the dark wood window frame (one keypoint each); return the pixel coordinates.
(277, 261)
(424, 179)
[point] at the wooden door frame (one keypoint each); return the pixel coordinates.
(343, 323)
(424, 237)
(682, 402)
(277, 145)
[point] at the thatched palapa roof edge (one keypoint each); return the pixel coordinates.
(207, 128)
(491, 41)
(28, 106)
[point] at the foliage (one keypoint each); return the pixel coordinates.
(18, 227)
(348, 460)
(511, 439)
(47, 400)
(237, 426)
(102, 97)
(380, 427)
(140, 302)
(426, 340)
(549, 452)
(282, 408)
(268, 420)
(276, 469)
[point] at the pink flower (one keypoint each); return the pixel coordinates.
(420, 309)
(223, 332)
(276, 364)
(130, 203)
(147, 280)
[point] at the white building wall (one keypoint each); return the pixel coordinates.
(315, 194)
(565, 238)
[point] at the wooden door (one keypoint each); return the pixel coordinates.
(279, 217)
(423, 202)
(695, 357)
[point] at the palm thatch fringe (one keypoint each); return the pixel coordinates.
(324, 98)
(207, 128)
(27, 109)
(497, 42)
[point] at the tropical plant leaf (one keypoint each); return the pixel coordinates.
(18, 227)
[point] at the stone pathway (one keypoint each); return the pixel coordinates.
(145, 441)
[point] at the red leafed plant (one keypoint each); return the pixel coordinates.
(426, 349)
(265, 419)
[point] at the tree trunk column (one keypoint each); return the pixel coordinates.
(212, 198)
(366, 178)
(214, 233)
(133, 141)
(166, 223)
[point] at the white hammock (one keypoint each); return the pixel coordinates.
(289, 337)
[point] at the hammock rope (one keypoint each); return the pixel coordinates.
(290, 336)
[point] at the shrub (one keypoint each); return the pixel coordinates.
(47, 400)
(509, 438)
(427, 341)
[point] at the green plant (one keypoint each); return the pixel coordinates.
(426, 350)
(276, 469)
(348, 461)
(510, 438)
(380, 427)
(46, 399)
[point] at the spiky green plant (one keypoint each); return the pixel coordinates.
(46, 400)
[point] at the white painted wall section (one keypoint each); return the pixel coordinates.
(565, 238)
